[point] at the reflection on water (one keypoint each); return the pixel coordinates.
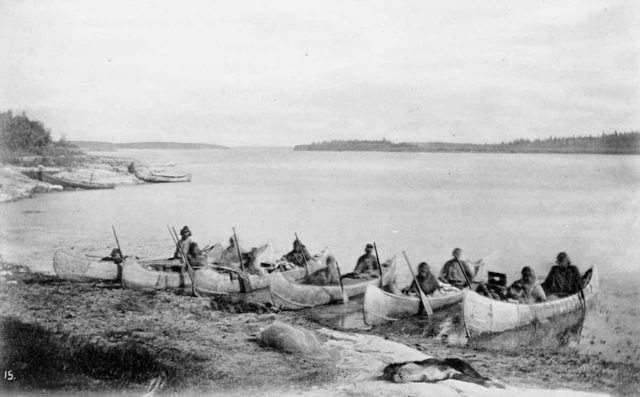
(561, 332)
(342, 316)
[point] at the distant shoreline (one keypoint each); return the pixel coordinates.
(108, 146)
(617, 143)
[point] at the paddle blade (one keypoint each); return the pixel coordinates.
(427, 306)
(245, 284)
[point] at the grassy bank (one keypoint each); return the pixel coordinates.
(75, 338)
(68, 338)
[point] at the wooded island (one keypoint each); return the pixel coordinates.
(616, 143)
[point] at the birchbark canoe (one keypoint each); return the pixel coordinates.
(154, 275)
(71, 183)
(147, 276)
(483, 315)
(290, 295)
(210, 281)
(84, 269)
(159, 178)
(380, 306)
(74, 268)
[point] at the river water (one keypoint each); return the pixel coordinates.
(513, 209)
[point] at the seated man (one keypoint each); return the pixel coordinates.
(563, 279)
(326, 276)
(527, 289)
(196, 258)
(230, 254)
(367, 265)
(299, 255)
(114, 257)
(427, 281)
(190, 249)
(452, 274)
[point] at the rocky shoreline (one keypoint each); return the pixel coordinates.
(20, 182)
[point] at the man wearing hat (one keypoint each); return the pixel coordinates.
(114, 257)
(452, 274)
(190, 248)
(367, 264)
(185, 242)
(299, 255)
(564, 278)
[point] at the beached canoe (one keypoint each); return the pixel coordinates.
(154, 275)
(85, 269)
(380, 306)
(289, 295)
(158, 178)
(483, 315)
(211, 281)
(75, 184)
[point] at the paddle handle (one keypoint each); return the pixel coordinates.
(176, 241)
(175, 238)
(117, 243)
(235, 237)
(379, 267)
(423, 298)
(464, 272)
(345, 298)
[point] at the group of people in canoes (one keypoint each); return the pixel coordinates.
(563, 279)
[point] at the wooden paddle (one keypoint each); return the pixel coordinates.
(423, 297)
(245, 281)
(464, 273)
(120, 252)
(229, 269)
(581, 296)
(190, 270)
(345, 297)
(379, 267)
(117, 242)
(306, 264)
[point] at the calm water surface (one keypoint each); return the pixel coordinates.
(517, 210)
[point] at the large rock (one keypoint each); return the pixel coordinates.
(292, 340)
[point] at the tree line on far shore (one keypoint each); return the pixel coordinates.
(27, 142)
(615, 143)
(22, 139)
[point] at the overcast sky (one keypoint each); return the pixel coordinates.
(281, 73)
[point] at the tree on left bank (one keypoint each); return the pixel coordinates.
(21, 136)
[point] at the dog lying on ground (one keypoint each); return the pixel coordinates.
(433, 370)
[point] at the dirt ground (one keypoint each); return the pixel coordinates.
(67, 338)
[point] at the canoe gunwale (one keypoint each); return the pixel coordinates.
(258, 282)
(380, 304)
(318, 295)
(80, 269)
